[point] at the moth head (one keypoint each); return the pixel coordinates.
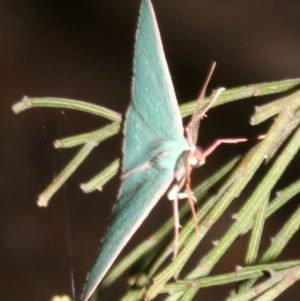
(197, 158)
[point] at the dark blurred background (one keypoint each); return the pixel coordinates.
(83, 50)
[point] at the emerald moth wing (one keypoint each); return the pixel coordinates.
(154, 101)
(154, 145)
(140, 192)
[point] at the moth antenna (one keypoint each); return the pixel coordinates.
(195, 121)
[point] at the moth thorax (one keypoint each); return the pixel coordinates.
(197, 158)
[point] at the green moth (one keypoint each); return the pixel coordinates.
(155, 149)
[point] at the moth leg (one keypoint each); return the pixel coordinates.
(174, 195)
(216, 143)
(191, 199)
(188, 169)
(176, 221)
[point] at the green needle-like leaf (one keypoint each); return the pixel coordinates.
(282, 238)
(281, 286)
(102, 178)
(265, 112)
(45, 196)
(96, 136)
(260, 288)
(64, 103)
(242, 274)
(255, 239)
(283, 197)
(243, 92)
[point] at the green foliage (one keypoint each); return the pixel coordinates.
(156, 274)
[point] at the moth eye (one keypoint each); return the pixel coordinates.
(197, 159)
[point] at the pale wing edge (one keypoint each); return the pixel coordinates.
(173, 101)
(90, 288)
